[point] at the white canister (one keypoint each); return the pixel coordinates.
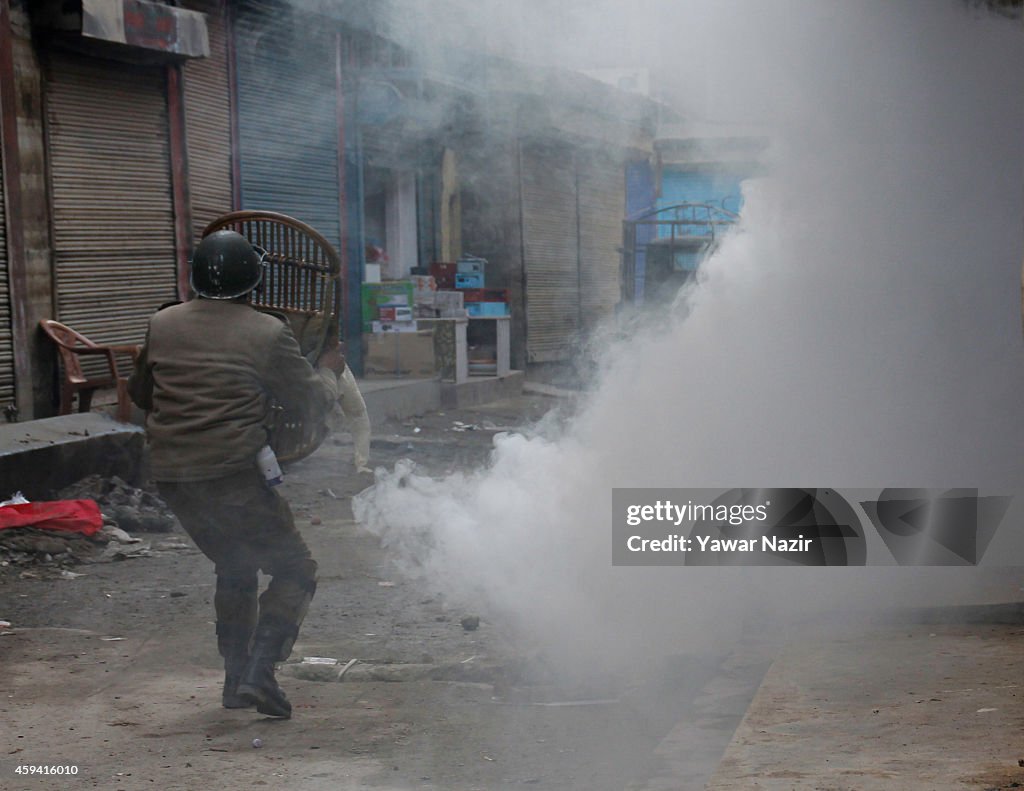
(268, 465)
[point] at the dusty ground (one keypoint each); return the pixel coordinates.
(115, 672)
(913, 708)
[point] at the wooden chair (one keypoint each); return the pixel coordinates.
(72, 346)
(303, 283)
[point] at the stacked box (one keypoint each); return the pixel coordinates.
(469, 280)
(471, 265)
(443, 274)
(423, 288)
(484, 309)
(392, 326)
(394, 293)
(485, 294)
(449, 304)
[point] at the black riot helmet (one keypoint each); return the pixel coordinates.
(225, 265)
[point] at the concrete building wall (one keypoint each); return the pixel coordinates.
(36, 397)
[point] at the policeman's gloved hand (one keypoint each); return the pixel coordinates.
(332, 359)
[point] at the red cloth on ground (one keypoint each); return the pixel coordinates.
(69, 516)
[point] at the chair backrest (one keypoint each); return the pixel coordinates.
(67, 341)
(302, 279)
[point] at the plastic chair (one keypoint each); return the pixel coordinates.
(72, 346)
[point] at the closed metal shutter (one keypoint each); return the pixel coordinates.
(287, 115)
(113, 218)
(208, 125)
(550, 251)
(602, 199)
(6, 336)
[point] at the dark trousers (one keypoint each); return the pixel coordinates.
(244, 526)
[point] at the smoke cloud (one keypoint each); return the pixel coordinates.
(861, 328)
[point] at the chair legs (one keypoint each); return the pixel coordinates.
(124, 401)
(66, 397)
(85, 399)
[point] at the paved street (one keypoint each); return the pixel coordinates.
(124, 659)
(115, 672)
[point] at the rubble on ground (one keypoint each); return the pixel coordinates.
(131, 509)
(28, 546)
(125, 510)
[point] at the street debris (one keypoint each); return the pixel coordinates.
(131, 509)
(257, 743)
(564, 703)
(59, 516)
(76, 531)
(119, 552)
(471, 623)
(344, 670)
(358, 670)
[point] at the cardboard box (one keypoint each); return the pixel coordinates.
(469, 280)
(449, 304)
(399, 354)
(393, 326)
(393, 293)
(486, 309)
(423, 288)
(443, 273)
(469, 264)
(484, 294)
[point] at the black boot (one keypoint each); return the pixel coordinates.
(230, 699)
(257, 684)
(233, 642)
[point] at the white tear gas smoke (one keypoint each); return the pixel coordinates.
(862, 328)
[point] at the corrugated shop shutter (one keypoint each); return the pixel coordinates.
(113, 219)
(287, 111)
(6, 337)
(602, 200)
(550, 250)
(208, 124)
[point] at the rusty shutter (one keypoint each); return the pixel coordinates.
(208, 124)
(6, 331)
(602, 200)
(288, 114)
(113, 219)
(550, 251)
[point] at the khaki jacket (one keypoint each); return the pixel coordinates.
(207, 375)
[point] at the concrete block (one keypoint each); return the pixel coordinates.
(40, 456)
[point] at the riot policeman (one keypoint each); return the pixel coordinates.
(207, 375)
